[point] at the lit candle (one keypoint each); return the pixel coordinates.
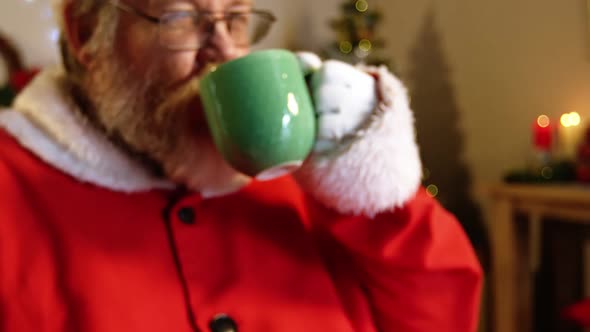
(570, 135)
(542, 134)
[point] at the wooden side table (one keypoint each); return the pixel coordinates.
(514, 258)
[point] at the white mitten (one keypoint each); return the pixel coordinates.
(343, 95)
(365, 160)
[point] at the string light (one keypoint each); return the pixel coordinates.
(547, 173)
(432, 190)
(426, 174)
(345, 47)
(365, 45)
(362, 6)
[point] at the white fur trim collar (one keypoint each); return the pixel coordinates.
(377, 170)
(43, 122)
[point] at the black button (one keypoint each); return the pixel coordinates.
(186, 215)
(223, 323)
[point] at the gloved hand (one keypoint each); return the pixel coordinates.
(344, 97)
(365, 160)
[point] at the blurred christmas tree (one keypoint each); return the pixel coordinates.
(356, 35)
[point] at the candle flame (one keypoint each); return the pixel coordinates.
(543, 121)
(572, 119)
(575, 119)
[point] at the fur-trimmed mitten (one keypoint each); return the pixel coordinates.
(366, 159)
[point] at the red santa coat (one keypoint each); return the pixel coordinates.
(76, 256)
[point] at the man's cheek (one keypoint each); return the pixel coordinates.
(177, 67)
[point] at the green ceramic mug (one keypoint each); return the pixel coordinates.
(260, 113)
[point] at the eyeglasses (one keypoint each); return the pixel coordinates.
(188, 30)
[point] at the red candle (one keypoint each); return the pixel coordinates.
(542, 133)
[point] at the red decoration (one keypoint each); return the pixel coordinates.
(579, 313)
(584, 152)
(542, 134)
(583, 162)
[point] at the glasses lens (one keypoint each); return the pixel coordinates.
(250, 28)
(178, 30)
(185, 30)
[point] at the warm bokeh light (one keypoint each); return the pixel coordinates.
(543, 121)
(575, 119)
(547, 173)
(426, 174)
(345, 47)
(362, 6)
(572, 119)
(432, 190)
(565, 120)
(365, 45)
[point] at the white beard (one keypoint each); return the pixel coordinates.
(166, 127)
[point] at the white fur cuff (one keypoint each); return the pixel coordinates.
(379, 168)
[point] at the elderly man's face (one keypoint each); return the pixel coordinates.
(142, 48)
(145, 93)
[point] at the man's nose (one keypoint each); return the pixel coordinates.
(218, 46)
